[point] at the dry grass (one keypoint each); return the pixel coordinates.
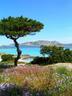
(34, 77)
(40, 78)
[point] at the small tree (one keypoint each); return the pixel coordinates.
(16, 27)
(56, 54)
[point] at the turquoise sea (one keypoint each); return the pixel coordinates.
(26, 50)
(33, 51)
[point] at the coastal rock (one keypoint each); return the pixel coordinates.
(8, 90)
(5, 86)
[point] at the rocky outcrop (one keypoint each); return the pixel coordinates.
(9, 90)
(13, 90)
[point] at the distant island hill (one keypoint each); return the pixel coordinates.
(38, 44)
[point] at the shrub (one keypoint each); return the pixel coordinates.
(40, 61)
(63, 82)
(53, 54)
(62, 70)
(7, 57)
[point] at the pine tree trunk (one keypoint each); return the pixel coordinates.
(18, 52)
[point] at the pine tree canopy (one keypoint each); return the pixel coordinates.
(15, 27)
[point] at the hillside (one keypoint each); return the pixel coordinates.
(42, 42)
(35, 44)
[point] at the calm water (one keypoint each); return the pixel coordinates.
(33, 51)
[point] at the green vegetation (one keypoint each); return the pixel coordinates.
(62, 70)
(33, 80)
(44, 81)
(16, 27)
(53, 54)
(40, 60)
(64, 81)
(37, 80)
(7, 57)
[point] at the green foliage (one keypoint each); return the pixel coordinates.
(62, 71)
(51, 50)
(40, 60)
(19, 26)
(15, 27)
(53, 54)
(7, 57)
(63, 81)
(57, 54)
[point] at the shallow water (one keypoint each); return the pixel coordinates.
(33, 51)
(26, 50)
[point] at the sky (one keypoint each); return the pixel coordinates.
(56, 15)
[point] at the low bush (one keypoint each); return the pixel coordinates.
(53, 54)
(62, 70)
(63, 82)
(40, 61)
(7, 57)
